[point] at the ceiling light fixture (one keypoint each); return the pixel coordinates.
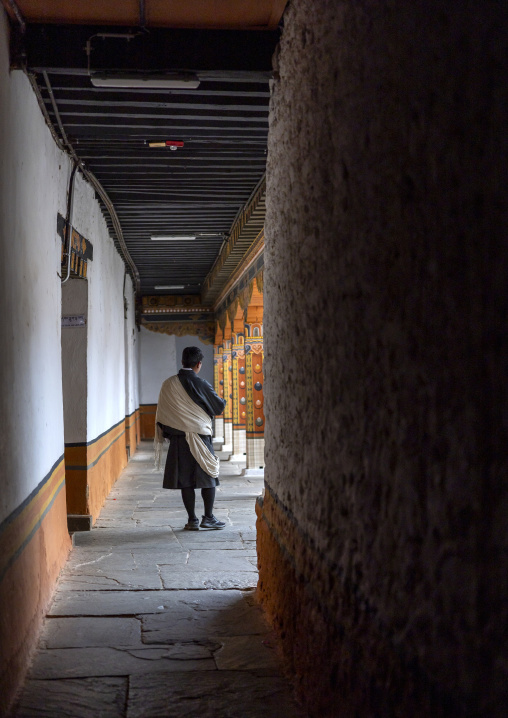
(174, 238)
(135, 80)
(172, 286)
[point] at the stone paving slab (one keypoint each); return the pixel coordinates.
(109, 523)
(248, 535)
(104, 697)
(198, 615)
(84, 560)
(176, 578)
(226, 545)
(126, 539)
(208, 536)
(218, 540)
(127, 603)
(122, 580)
(111, 603)
(205, 561)
(80, 632)
(247, 653)
(223, 694)
(106, 661)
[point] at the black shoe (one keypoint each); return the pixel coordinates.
(192, 525)
(211, 523)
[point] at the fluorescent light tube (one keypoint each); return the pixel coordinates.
(174, 238)
(174, 286)
(133, 80)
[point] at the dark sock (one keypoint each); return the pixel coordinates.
(189, 501)
(208, 499)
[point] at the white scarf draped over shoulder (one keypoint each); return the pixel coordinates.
(176, 409)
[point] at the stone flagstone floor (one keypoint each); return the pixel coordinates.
(149, 620)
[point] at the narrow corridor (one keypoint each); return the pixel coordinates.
(151, 620)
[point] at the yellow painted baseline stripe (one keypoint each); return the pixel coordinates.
(86, 456)
(18, 533)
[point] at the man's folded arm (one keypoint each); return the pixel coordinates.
(216, 403)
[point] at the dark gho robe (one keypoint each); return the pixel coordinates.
(182, 470)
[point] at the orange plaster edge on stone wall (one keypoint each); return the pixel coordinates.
(322, 639)
(132, 431)
(103, 475)
(75, 489)
(26, 589)
(93, 469)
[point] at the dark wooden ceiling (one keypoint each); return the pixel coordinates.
(200, 188)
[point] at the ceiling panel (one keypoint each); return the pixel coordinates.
(198, 190)
(157, 13)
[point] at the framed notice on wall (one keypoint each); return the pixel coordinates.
(74, 320)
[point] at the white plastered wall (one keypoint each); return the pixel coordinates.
(106, 322)
(33, 180)
(34, 176)
(157, 362)
(131, 350)
(160, 356)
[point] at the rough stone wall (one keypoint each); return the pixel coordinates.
(382, 540)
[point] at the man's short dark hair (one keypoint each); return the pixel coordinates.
(191, 356)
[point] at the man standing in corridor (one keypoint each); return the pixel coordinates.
(186, 407)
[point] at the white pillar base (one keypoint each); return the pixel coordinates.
(219, 427)
(227, 447)
(256, 453)
(255, 473)
(223, 455)
(239, 442)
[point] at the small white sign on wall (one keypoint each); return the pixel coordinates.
(74, 320)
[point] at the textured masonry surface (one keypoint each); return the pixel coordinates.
(385, 336)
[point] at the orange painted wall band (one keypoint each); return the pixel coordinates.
(18, 529)
(85, 456)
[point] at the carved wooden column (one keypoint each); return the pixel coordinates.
(227, 388)
(254, 380)
(238, 383)
(217, 379)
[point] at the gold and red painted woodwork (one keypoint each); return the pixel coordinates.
(227, 387)
(200, 329)
(81, 250)
(225, 266)
(217, 364)
(167, 302)
(179, 316)
(217, 360)
(254, 379)
(238, 380)
(217, 377)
